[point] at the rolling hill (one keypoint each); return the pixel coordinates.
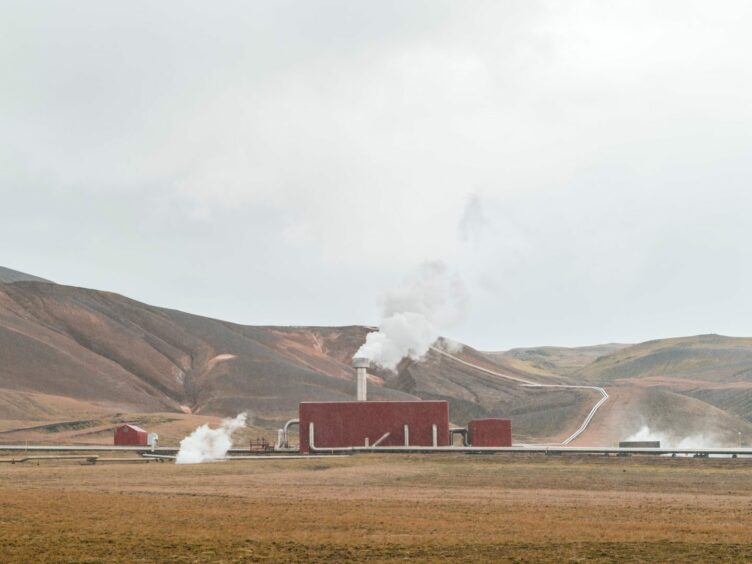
(554, 361)
(680, 387)
(704, 359)
(77, 354)
(75, 361)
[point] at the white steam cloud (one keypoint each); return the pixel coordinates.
(414, 315)
(700, 440)
(206, 444)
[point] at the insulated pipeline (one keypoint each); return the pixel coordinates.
(530, 384)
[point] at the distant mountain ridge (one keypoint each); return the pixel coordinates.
(709, 358)
(556, 361)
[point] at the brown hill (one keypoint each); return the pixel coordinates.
(674, 418)
(539, 414)
(72, 353)
(681, 387)
(108, 350)
(69, 355)
(554, 361)
(702, 359)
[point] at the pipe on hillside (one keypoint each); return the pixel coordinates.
(531, 384)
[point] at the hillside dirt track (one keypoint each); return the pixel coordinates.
(380, 508)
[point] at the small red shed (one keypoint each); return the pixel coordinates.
(490, 433)
(131, 435)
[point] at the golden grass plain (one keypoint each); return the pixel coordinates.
(460, 508)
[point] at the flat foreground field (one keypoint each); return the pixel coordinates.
(380, 508)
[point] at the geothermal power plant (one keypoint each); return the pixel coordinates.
(405, 425)
(360, 426)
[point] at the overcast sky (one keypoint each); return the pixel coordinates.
(584, 167)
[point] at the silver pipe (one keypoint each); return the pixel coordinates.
(538, 449)
(383, 438)
(591, 413)
(285, 439)
(98, 448)
(88, 457)
(283, 457)
(160, 457)
(82, 448)
(531, 384)
(361, 377)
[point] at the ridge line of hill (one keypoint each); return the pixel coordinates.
(69, 352)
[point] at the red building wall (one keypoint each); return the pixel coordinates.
(490, 432)
(131, 435)
(349, 423)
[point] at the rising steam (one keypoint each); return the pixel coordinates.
(414, 315)
(699, 440)
(206, 444)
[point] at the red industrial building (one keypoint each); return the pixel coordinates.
(131, 435)
(490, 433)
(383, 424)
(374, 423)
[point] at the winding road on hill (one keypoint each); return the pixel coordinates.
(530, 384)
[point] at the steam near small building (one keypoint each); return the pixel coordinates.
(665, 439)
(206, 444)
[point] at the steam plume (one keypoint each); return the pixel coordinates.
(699, 440)
(206, 444)
(414, 315)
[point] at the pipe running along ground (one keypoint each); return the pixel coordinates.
(531, 384)
(529, 449)
(283, 441)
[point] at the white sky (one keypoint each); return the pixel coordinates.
(584, 166)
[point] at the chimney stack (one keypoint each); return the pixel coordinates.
(361, 364)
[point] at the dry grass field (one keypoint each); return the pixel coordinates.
(380, 508)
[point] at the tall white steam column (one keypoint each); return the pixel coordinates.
(361, 364)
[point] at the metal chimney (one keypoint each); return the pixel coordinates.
(361, 364)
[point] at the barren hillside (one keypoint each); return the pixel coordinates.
(704, 359)
(116, 353)
(72, 354)
(554, 361)
(74, 361)
(684, 387)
